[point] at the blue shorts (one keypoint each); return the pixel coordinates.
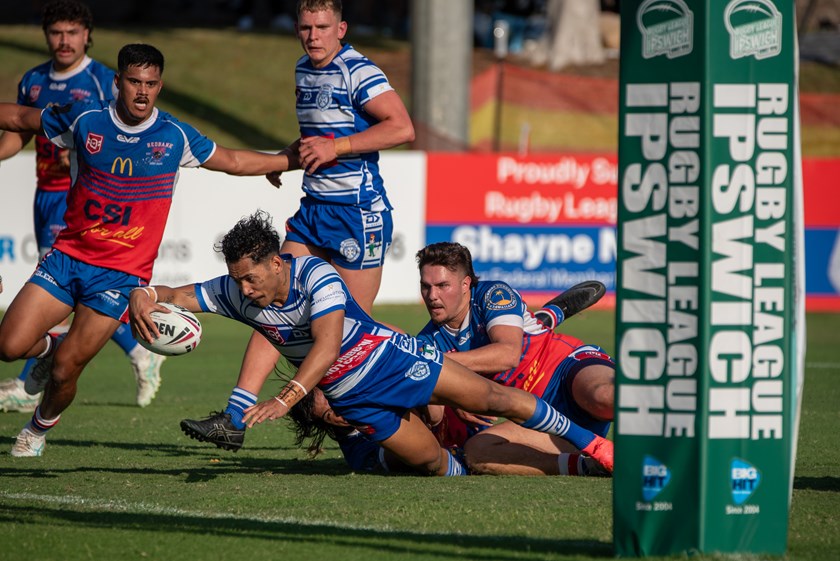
(48, 210)
(354, 238)
(558, 393)
(398, 375)
(73, 282)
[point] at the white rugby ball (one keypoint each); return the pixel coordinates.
(180, 331)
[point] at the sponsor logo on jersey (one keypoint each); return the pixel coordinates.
(58, 86)
(124, 164)
(273, 333)
(111, 297)
(588, 353)
(324, 97)
(655, 477)
(499, 297)
(352, 358)
(744, 479)
(350, 249)
(34, 93)
(79, 94)
(158, 151)
(419, 371)
(373, 246)
(94, 143)
(667, 28)
(128, 139)
(755, 28)
(46, 276)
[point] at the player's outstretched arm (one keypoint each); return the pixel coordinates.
(327, 331)
(19, 118)
(144, 300)
(246, 162)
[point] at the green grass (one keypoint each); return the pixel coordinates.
(117, 481)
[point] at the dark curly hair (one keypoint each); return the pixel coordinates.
(453, 256)
(68, 10)
(252, 237)
(308, 426)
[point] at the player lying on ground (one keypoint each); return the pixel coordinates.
(226, 429)
(370, 375)
(486, 326)
(477, 446)
(125, 158)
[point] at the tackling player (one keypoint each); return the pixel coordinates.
(371, 375)
(70, 75)
(486, 326)
(124, 161)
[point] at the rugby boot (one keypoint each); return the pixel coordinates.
(572, 301)
(602, 450)
(217, 428)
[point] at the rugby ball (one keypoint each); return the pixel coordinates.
(180, 331)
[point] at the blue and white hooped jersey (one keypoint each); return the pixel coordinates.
(316, 289)
(330, 103)
(491, 303)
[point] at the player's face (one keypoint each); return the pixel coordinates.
(446, 294)
(139, 87)
(320, 34)
(262, 282)
(321, 409)
(66, 41)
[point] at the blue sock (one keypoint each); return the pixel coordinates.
(547, 419)
(123, 337)
(238, 402)
(30, 362)
(455, 467)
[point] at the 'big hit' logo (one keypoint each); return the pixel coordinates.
(655, 477)
(744, 478)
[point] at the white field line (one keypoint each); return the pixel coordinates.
(823, 365)
(110, 505)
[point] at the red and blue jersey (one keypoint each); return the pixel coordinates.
(495, 303)
(123, 178)
(43, 87)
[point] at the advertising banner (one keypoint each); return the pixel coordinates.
(708, 310)
(541, 223)
(205, 206)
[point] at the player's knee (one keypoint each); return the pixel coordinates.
(9, 351)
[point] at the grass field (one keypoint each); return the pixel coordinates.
(119, 482)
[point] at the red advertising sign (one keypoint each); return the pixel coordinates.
(508, 189)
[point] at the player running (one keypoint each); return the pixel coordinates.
(371, 375)
(69, 76)
(124, 163)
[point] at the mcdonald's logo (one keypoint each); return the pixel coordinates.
(123, 163)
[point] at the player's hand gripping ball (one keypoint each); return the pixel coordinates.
(180, 331)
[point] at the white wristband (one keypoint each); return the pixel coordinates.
(298, 384)
(146, 289)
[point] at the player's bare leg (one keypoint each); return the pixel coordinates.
(459, 387)
(593, 389)
(414, 445)
(509, 449)
(363, 285)
(88, 333)
(30, 315)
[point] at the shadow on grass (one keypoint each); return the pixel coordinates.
(826, 483)
(352, 540)
(189, 105)
(220, 463)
